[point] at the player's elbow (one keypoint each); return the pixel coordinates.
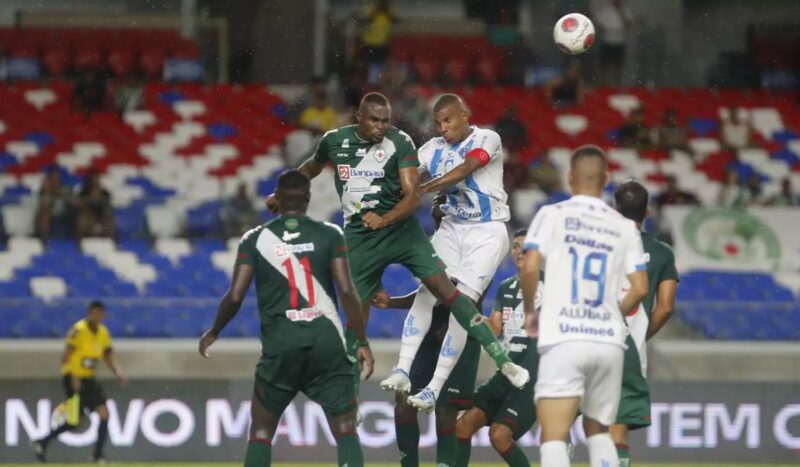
(666, 310)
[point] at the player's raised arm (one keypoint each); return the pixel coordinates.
(475, 159)
(407, 206)
(340, 269)
(229, 305)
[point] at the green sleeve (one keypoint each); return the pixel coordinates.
(498, 298)
(338, 244)
(670, 271)
(406, 152)
(247, 253)
(321, 153)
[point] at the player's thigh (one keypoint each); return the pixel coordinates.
(445, 243)
(277, 379)
(368, 259)
(92, 394)
(561, 371)
(482, 248)
(491, 396)
(634, 403)
(603, 383)
(412, 248)
(328, 380)
(459, 389)
(556, 416)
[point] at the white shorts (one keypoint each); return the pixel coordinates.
(591, 371)
(472, 252)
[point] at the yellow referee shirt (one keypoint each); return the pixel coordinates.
(89, 349)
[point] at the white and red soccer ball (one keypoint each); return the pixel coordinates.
(574, 33)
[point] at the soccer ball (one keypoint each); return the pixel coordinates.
(574, 33)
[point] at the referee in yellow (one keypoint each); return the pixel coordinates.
(87, 342)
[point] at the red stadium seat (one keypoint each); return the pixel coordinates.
(56, 62)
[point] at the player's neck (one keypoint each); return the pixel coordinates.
(588, 192)
(292, 212)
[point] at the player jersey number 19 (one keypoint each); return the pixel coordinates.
(293, 283)
(588, 275)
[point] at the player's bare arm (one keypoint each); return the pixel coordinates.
(496, 322)
(529, 280)
(310, 168)
(636, 294)
(111, 362)
(475, 159)
(229, 305)
(407, 206)
(665, 305)
(340, 269)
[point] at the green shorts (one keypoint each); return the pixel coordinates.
(634, 404)
(370, 253)
(503, 403)
(460, 386)
(322, 371)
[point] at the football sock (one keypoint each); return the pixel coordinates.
(54, 434)
(446, 447)
(554, 454)
(350, 339)
(407, 431)
(623, 452)
(418, 323)
(452, 347)
(601, 450)
(515, 457)
(102, 434)
(259, 453)
(477, 328)
(348, 450)
(463, 451)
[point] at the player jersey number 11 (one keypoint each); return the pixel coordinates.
(306, 263)
(588, 275)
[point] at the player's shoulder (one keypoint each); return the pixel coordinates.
(509, 282)
(339, 133)
(654, 245)
(432, 144)
(396, 135)
(80, 325)
(252, 234)
(102, 329)
(331, 228)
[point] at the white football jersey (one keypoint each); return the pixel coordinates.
(480, 197)
(589, 248)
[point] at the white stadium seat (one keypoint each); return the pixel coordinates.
(48, 287)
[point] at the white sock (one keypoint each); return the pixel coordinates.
(418, 323)
(601, 450)
(452, 347)
(554, 454)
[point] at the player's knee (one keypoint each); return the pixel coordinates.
(592, 427)
(464, 428)
(501, 437)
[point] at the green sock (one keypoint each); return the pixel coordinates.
(349, 451)
(446, 447)
(463, 451)
(623, 452)
(477, 328)
(407, 432)
(515, 457)
(259, 453)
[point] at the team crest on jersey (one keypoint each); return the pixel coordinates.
(291, 224)
(380, 155)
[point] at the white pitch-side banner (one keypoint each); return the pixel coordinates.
(755, 239)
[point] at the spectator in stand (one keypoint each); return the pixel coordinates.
(319, 116)
(670, 135)
(95, 215)
(753, 195)
(735, 129)
(786, 197)
(129, 95)
(239, 214)
(731, 194)
(613, 21)
(568, 89)
(634, 132)
(672, 195)
(376, 32)
(56, 209)
(512, 131)
(91, 91)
